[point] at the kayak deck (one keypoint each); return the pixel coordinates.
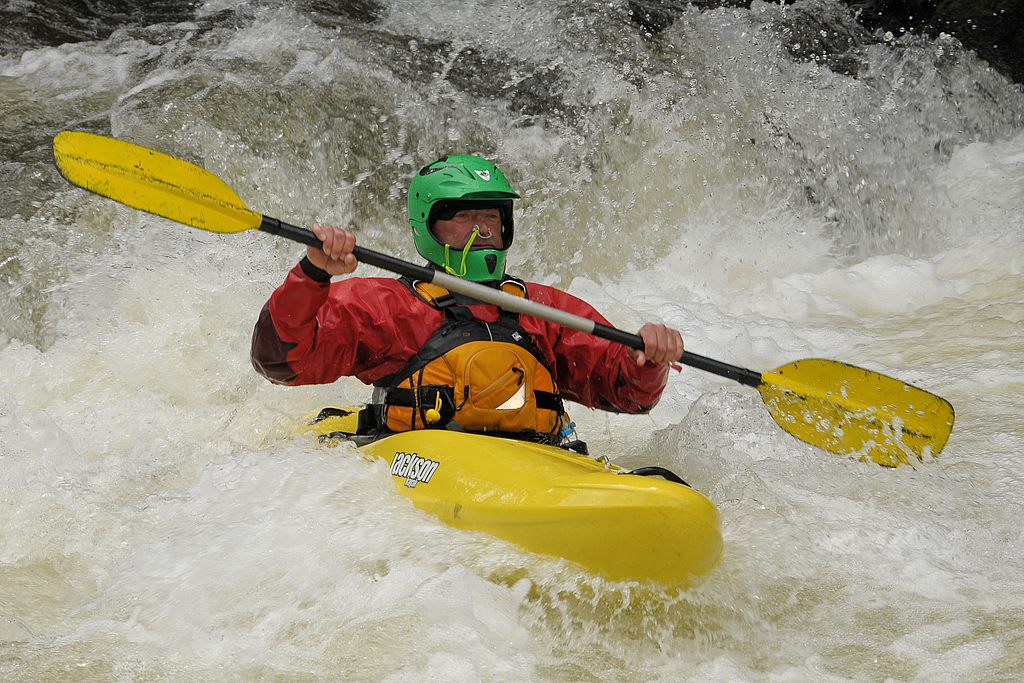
(554, 502)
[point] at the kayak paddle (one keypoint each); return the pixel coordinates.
(837, 407)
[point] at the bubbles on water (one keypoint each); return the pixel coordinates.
(775, 195)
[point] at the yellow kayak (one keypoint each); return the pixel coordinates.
(549, 500)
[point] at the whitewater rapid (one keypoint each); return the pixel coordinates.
(162, 521)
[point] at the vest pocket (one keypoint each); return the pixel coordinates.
(501, 393)
(491, 376)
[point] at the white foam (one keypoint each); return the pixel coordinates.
(878, 286)
(77, 70)
(162, 522)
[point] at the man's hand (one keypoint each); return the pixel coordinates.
(661, 345)
(336, 257)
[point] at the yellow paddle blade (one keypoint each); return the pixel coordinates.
(852, 411)
(145, 179)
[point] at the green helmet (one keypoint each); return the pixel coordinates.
(453, 182)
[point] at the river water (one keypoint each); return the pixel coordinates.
(160, 519)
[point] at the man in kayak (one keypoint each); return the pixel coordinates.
(435, 358)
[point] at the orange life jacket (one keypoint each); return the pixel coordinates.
(474, 375)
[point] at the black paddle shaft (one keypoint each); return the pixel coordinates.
(395, 265)
(715, 367)
(374, 258)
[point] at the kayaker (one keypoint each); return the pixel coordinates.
(436, 359)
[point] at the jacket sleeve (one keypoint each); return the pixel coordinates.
(593, 371)
(314, 332)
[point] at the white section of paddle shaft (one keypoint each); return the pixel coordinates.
(509, 302)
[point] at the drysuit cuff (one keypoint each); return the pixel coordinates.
(314, 273)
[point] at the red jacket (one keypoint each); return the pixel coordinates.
(311, 332)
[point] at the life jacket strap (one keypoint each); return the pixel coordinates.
(406, 398)
(549, 401)
(434, 405)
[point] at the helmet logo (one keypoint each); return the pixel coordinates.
(484, 175)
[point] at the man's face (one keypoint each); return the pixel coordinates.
(456, 230)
